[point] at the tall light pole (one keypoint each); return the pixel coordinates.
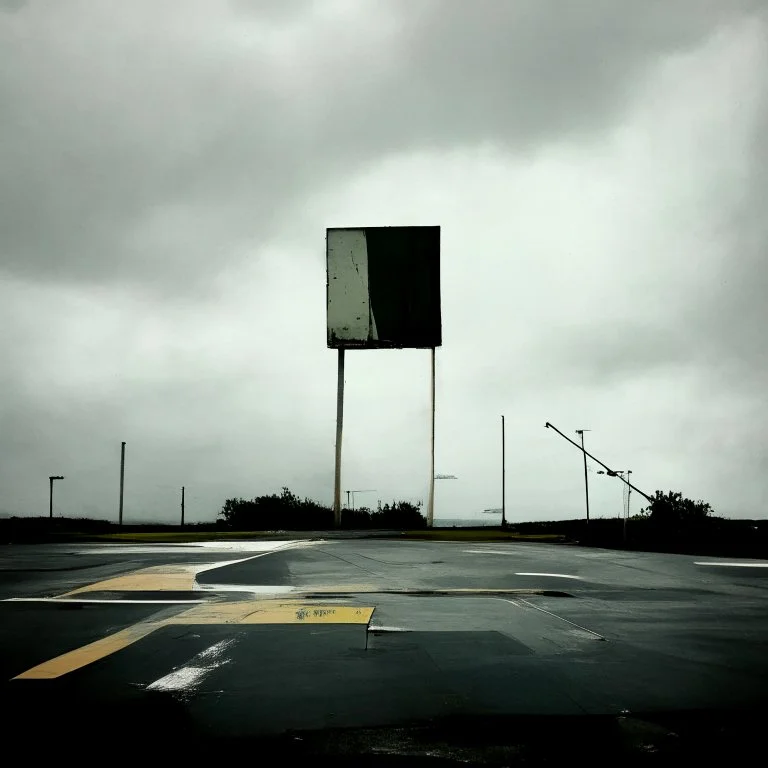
(122, 482)
(51, 478)
(586, 478)
(182, 506)
(626, 513)
(627, 489)
(609, 471)
(503, 479)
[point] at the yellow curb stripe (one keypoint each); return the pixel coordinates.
(87, 654)
(247, 612)
(158, 578)
(141, 582)
(271, 612)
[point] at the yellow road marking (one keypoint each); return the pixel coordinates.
(273, 612)
(87, 654)
(312, 614)
(246, 612)
(158, 578)
(142, 581)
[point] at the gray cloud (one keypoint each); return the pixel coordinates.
(137, 147)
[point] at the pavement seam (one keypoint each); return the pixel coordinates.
(561, 618)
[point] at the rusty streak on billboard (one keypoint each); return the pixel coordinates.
(383, 287)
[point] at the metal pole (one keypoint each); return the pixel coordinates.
(431, 498)
(182, 505)
(339, 423)
(604, 466)
(122, 482)
(586, 476)
(50, 499)
(503, 478)
(626, 514)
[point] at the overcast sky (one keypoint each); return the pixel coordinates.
(167, 171)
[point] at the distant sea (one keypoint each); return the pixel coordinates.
(467, 522)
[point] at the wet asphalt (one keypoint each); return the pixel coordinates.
(459, 630)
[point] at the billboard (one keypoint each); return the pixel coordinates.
(383, 287)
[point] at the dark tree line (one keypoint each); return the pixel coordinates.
(286, 511)
(672, 511)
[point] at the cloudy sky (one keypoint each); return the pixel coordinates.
(167, 171)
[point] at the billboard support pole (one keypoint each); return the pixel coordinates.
(339, 424)
(431, 498)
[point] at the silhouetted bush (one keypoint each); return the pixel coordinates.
(286, 511)
(672, 511)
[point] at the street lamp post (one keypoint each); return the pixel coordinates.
(122, 483)
(625, 510)
(51, 478)
(586, 479)
(629, 496)
(503, 477)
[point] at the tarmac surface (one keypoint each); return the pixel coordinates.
(266, 638)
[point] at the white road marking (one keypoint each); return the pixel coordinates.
(171, 570)
(179, 680)
(733, 565)
(489, 552)
(68, 600)
(549, 575)
(143, 549)
(372, 628)
(255, 589)
(194, 672)
(193, 547)
(251, 546)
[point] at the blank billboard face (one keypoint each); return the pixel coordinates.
(383, 287)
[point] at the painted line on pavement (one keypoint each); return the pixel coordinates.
(733, 565)
(97, 601)
(254, 589)
(489, 552)
(549, 575)
(167, 578)
(197, 548)
(87, 654)
(195, 670)
(274, 612)
(155, 579)
(555, 616)
(247, 612)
